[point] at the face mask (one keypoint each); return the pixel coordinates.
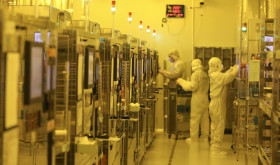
(170, 60)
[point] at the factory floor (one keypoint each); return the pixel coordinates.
(164, 151)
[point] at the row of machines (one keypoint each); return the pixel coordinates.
(73, 93)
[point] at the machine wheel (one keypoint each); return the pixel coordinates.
(169, 136)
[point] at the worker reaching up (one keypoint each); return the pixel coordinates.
(217, 107)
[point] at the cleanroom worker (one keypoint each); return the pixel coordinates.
(178, 70)
(199, 85)
(217, 107)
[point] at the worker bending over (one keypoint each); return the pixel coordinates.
(199, 85)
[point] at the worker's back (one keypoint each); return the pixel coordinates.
(203, 82)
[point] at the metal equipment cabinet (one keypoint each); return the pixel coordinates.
(269, 116)
(133, 136)
(246, 121)
(245, 126)
(74, 113)
(269, 145)
(178, 111)
(269, 113)
(9, 127)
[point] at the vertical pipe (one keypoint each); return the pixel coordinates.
(193, 30)
(129, 32)
(140, 37)
(36, 9)
(148, 39)
(86, 13)
(113, 26)
(154, 42)
(68, 4)
(52, 3)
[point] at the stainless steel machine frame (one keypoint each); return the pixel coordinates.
(131, 142)
(37, 119)
(112, 126)
(140, 100)
(74, 123)
(268, 115)
(178, 122)
(246, 120)
(150, 97)
(9, 125)
(74, 42)
(245, 127)
(268, 24)
(133, 153)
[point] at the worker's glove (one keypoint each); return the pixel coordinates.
(179, 81)
(230, 69)
(235, 70)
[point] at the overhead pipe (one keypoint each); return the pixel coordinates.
(86, 15)
(36, 8)
(113, 10)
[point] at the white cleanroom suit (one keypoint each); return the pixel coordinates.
(217, 107)
(178, 70)
(199, 85)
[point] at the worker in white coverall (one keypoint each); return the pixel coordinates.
(178, 70)
(217, 107)
(199, 85)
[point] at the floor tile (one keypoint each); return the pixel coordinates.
(160, 152)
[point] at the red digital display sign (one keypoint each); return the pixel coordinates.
(175, 11)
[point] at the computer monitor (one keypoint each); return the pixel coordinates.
(270, 48)
(271, 40)
(96, 60)
(38, 37)
(80, 77)
(268, 39)
(33, 73)
(97, 71)
(116, 65)
(89, 67)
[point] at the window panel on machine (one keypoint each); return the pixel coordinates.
(33, 71)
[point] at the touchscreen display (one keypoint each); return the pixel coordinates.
(90, 68)
(36, 72)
